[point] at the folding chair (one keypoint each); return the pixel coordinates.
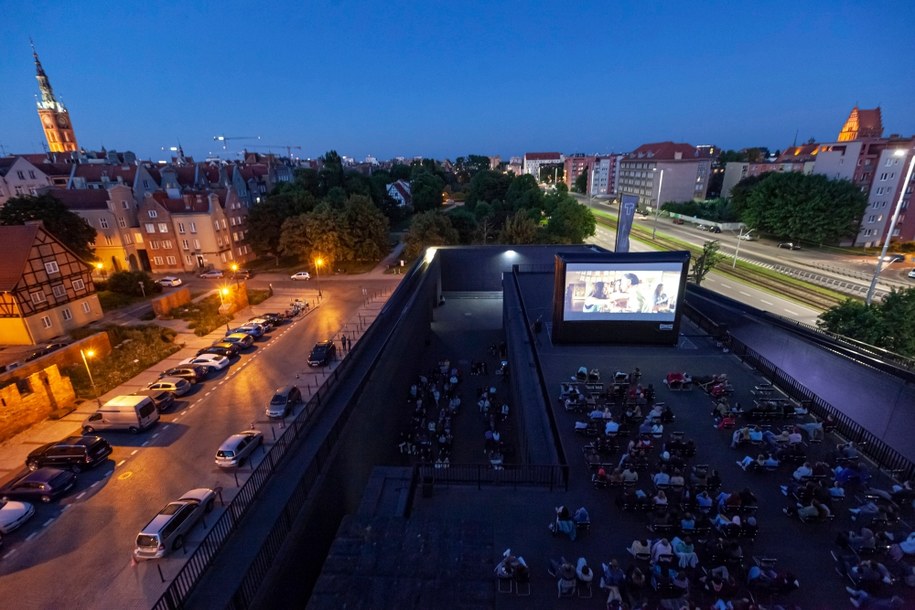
(523, 579)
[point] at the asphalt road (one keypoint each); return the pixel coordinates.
(78, 552)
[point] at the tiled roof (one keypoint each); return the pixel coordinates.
(798, 153)
(186, 205)
(93, 172)
(543, 156)
(17, 241)
(667, 151)
(81, 199)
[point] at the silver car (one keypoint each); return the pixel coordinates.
(167, 529)
(238, 447)
(176, 385)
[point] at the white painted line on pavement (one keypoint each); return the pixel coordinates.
(208, 393)
(30, 536)
(766, 302)
(144, 444)
(793, 313)
(108, 474)
(48, 522)
(11, 553)
(121, 463)
(79, 497)
(94, 484)
(723, 285)
(134, 452)
(746, 294)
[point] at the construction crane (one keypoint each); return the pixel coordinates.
(288, 147)
(225, 139)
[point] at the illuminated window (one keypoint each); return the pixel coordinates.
(163, 228)
(153, 214)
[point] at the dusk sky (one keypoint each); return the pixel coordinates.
(445, 79)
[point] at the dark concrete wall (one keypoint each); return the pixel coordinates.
(480, 268)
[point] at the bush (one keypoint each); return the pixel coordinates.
(203, 316)
(128, 282)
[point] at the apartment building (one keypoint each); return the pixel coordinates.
(665, 171)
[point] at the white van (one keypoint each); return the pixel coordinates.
(131, 413)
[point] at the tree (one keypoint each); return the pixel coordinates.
(897, 312)
(294, 240)
(426, 191)
(570, 222)
(854, 319)
(465, 223)
(487, 186)
(72, 230)
(524, 194)
(428, 229)
(705, 261)
(128, 282)
(331, 172)
(519, 229)
(265, 219)
(889, 324)
(800, 207)
(581, 183)
(364, 230)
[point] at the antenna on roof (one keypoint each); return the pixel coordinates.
(795, 137)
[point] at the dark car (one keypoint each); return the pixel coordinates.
(77, 453)
(222, 348)
(790, 245)
(163, 399)
(274, 318)
(194, 374)
(322, 353)
(44, 484)
(242, 340)
(243, 274)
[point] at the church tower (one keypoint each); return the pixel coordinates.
(55, 119)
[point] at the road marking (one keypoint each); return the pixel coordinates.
(723, 285)
(121, 463)
(30, 536)
(80, 496)
(125, 475)
(134, 452)
(48, 522)
(143, 445)
(793, 313)
(208, 393)
(10, 554)
(766, 302)
(746, 294)
(108, 474)
(94, 484)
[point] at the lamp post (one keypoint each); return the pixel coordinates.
(318, 262)
(234, 268)
(889, 231)
(223, 293)
(89, 354)
(740, 238)
(657, 209)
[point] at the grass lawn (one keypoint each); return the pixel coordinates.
(202, 316)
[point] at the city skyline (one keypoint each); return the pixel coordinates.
(390, 80)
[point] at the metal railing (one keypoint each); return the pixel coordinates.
(549, 476)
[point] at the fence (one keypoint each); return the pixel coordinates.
(884, 456)
(551, 476)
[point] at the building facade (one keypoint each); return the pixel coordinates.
(54, 116)
(19, 178)
(533, 162)
(45, 289)
(665, 171)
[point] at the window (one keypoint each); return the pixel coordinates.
(51, 267)
(20, 174)
(185, 245)
(157, 260)
(188, 259)
(78, 285)
(86, 308)
(167, 244)
(216, 224)
(103, 223)
(196, 244)
(163, 227)
(150, 227)
(32, 174)
(146, 184)
(193, 227)
(124, 204)
(59, 291)
(224, 223)
(122, 222)
(154, 245)
(46, 321)
(138, 237)
(181, 227)
(67, 314)
(38, 297)
(171, 260)
(126, 239)
(153, 214)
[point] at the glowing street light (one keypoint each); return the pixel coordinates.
(234, 268)
(318, 262)
(86, 355)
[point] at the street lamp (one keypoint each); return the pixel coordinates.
(318, 262)
(901, 152)
(234, 268)
(89, 354)
(740, 238)
(657, 210)
(223, 293)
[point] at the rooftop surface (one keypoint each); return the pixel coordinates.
(443, 553)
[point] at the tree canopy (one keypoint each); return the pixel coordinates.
(704, 263)
(70, 228)
(426, 190)
(429, 229)
(800, 207)
(888, 324)
(570, 223)
(581, 182)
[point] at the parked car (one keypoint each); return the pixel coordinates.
(45, 484)
(894, 258)
(283, 401)
(236, 449)
(912, 274)
(213, 361)
(243, 274)
(245, 331)
(13, 514)
(212, 274)
(193, 373)
(275, 319)
(162, 399)
(45, 349)
(176, 385)
(229, 350)
(790, 245)
(267, 323)
(300, 275)
(252, 328)
(77, 453)
(746, 236)
(678, 221)
(169, 280)
(242, 340)
(168, 528)
(323, 353)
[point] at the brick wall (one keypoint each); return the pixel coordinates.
(27, 400)
(167, 302)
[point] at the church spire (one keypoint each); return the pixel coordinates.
(48, 101)
(55, 120)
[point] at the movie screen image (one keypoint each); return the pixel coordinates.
(622, 291)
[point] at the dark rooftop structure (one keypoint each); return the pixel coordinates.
(370, 525)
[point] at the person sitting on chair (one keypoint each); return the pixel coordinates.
(564, 572)
(639, 548)
(661, 548)
(583, 571)
(685, 552)
(581, 516)
(612, 580)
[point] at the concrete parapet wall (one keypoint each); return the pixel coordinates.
(167, 302)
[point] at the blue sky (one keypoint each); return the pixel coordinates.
(444, 79)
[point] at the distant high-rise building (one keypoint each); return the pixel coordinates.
(862, 124)
(55, 119)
